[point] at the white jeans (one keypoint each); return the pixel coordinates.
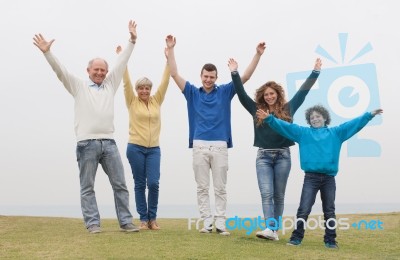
(214, 157)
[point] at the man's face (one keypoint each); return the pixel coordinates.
(97, 71)
(208, 79)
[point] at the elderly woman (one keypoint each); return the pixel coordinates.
(143, 149)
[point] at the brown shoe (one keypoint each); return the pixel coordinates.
(153, 225)
(144, 225)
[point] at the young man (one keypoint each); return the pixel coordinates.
(94, 127)
(319, 157)
(209, 110)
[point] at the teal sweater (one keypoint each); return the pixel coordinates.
(319, 147)
(264, 136)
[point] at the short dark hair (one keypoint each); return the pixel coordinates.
(209, 67)
(320, 110)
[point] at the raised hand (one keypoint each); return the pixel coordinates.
(118, 49)
(41, 43)
(170, 41)
(318, 64)
(132, 30)
(261, 48)
(232, 64)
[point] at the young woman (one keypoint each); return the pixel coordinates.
(273, 160)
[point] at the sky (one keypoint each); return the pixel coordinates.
(356, 40)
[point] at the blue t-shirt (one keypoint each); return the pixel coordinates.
(209, 114)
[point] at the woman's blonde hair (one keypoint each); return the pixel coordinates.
(143, 81)
(279, 107)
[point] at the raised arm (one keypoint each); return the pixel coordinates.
(254, 62)
(170, 53)
(350, 128)
(244, 99)
(70, 82)
(297, 100)
(128, 88)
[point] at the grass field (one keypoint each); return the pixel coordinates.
(66, 238)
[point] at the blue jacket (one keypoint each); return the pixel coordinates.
(319, 147)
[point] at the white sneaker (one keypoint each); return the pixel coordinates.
(268, 234)
(221, 228)
(223, 232)
(205, 230)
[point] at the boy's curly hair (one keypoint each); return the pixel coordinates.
(320, 110)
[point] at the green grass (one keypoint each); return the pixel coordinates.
(66, 238)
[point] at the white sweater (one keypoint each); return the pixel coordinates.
(94, 109)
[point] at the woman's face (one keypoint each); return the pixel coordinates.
(270, 96)
(143, 92)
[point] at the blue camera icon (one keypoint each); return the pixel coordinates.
(347, 91)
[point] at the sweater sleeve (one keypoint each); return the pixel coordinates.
(162, 89)
(286, 129)
(298, 99)
(350, 128)
(244, 99)
(70, 82)
(128, 88)
(114, 77)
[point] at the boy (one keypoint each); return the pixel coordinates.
(319, 158)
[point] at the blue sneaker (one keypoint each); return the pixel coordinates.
(294, 242)
(332, 245)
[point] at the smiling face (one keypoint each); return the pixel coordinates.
(143, 92)
(208, 79)
(317, 120)
(97, 70)
(270, 96)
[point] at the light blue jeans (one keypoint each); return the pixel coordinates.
(145, 165)
(91, 153)
(273, 167)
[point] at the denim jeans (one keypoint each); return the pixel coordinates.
(214, 158)
(273, 167)
(314, 182)
(145, 165)
(91, 153)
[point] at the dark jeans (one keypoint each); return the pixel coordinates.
(314, 182)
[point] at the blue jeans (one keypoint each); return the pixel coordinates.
(314, 182)
(145, 165)
(91, 153)
(273, 167)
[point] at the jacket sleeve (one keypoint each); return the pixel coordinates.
(286, 129)
(162, 89)
(128, 88)
(350, 128)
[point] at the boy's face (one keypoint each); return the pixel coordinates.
(316, 120)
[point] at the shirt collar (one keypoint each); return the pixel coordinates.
(94, 85)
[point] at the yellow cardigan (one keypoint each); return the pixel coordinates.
(145, 121)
